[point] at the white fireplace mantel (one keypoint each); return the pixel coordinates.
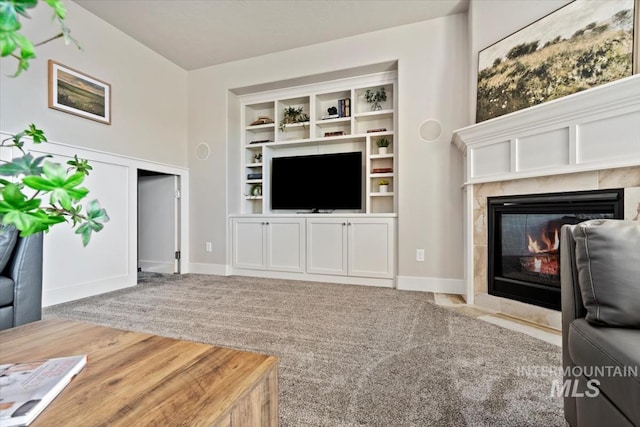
(597, 129)
(591, 130)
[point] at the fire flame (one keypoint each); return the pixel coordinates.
(550, 245)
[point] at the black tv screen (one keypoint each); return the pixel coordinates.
(321, 181)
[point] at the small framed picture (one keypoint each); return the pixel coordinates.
(76, 93)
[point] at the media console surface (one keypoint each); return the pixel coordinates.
(352, 249)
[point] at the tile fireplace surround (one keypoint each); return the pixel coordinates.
(586, 141)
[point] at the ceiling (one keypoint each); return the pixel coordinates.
(200, 33)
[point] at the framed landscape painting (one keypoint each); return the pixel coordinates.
(579, 46)
(77, 93)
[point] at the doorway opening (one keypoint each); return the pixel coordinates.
(158, 224)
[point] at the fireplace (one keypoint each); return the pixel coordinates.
(524, 240)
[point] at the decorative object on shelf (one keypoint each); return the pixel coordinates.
(261, 120)
(377, 130)
(257, 158)
(382, 170)
(375, 98)
(383, 186)
(77, 93)
(256, 190)
(254, 176)
(292, 115)
(336, 133)
(332, 113)
(344, 107)
(261, 141)
(382, 143)
(581, 45)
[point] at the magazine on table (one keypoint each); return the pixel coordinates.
(27, 388)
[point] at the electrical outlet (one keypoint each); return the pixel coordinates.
(420, 255)
(209, 247)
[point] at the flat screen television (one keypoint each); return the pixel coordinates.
(317, 182)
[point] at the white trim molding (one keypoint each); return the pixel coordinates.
(431, 284)
(211, 269)
(591, 130)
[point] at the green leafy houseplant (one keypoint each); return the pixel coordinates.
(292, 115)
(383, 182)
(383, 142)
(375, 98)
(37, 192)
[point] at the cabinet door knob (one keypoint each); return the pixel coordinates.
(348, 223)
(267, 222)
(263, 223)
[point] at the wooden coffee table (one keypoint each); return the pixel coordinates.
(141, 379)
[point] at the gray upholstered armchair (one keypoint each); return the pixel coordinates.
(600, 278)
(21, 279)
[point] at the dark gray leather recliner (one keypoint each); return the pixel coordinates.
(600, 279)
(21, 283)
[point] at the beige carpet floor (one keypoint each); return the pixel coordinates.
(349, 355)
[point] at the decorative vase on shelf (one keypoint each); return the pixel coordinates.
(382, 150)
(383, 188)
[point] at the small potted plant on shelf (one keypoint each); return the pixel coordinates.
(292, 115)
(257, 158)
(375, 98)
(256, 191)
(383, 185)
(382, 144)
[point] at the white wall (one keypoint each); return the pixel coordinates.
(149, 93)
(156, 104)
(433, 75)
(148, 131)
(71, 271)
(492, 20)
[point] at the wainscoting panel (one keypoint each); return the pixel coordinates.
(494, 159)
(609, 139)
(71, 271)
(543, 150)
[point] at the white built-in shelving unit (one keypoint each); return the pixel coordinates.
(355, 131)
(346, 246)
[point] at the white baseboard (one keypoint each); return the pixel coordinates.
(84, 290)
(431, 284)
(202, 268)
(157, 266)
(347, 280)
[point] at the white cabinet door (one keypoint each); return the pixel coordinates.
(249, 243)
(285, 243)
(371, 247)
(327, 246)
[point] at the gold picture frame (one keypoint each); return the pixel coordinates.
(77, 93)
